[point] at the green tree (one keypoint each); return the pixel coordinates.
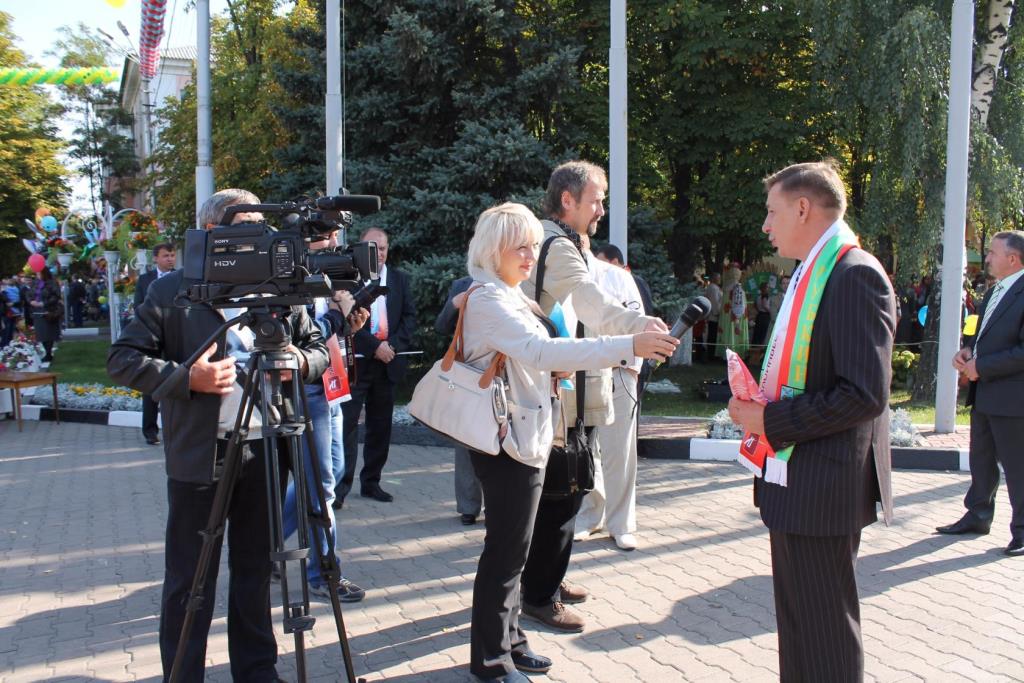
(452, 107)
(98, 145)
(31, 173)
(247, 43)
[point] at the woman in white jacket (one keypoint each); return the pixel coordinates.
(500, 318)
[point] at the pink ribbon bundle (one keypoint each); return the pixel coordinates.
(754, 449)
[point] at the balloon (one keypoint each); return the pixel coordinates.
(922, 315)
(116, 3)
(36, 262)
(971, 326)
(32, 247)
(49, 223)
(102, 299)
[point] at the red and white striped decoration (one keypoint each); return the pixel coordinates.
(150, 34)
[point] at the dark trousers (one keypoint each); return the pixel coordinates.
(251, 644)
(712, 339)
(7, 327)
(377, 392)
(817, 608)
(996, 440)
(551, 545)
(77, 309)
(511, 493)
(150, 410)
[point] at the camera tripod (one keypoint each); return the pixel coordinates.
(270, 373)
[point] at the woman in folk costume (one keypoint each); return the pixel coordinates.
(733, 330)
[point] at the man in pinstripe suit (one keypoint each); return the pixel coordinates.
(839, 428)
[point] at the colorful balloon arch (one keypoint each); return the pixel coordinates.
(79, 76)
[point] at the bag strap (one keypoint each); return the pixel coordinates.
(541, 261)
(455, 349)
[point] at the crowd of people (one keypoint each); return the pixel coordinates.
(524, 275)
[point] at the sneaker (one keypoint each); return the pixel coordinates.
(557, 616)
(626, 541)
(571, 594)
(347, 591)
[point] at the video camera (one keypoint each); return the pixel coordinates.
(252, 263)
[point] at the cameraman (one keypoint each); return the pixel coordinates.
(195, 407)
(333, 316)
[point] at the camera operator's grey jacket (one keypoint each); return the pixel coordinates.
(565, 275)
(148, 357)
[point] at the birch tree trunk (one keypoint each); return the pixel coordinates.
(991, 48)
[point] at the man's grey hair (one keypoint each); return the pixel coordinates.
(1014, 240)
(213, 208)
(571, 177)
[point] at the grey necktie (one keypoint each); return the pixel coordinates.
(997, 296)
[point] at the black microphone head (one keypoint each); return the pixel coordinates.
(357, 203)
(696, 311)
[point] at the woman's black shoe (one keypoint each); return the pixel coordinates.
(468, 520)
(530, 662)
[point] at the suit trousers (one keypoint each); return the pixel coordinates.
(150, 411)
(511, 492)
(996, 440)
(468, 494)
(251, 644)
(612, 503)
(376, 391)
(817, 607)
(551, 545)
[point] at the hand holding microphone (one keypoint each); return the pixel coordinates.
(698, 309)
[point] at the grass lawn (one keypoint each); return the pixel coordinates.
(85, 361)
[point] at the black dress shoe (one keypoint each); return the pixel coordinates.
(1016, 548)
(153, 440)
(530, 662)
(468, 520)
(377, 493)
(968, 524)
(338, 503)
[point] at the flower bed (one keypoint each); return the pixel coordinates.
(91, 397)
(20, 354)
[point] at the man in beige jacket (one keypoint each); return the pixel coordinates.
(573, 204)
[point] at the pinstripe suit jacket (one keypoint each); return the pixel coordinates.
(840, 425)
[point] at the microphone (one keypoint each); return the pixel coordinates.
(698, 309)
(358, 203)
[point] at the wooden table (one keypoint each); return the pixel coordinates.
(16, 381)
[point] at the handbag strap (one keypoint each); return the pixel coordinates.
(455, 349)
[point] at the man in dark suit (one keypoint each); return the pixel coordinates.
(839, 427)
(164, 256)
(195, 403)
(380, 365)
(993, 361)
(469, 497)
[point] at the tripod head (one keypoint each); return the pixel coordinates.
(271, 327)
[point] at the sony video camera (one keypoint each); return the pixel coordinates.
(250, 263)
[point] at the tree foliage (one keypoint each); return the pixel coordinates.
(31, 173)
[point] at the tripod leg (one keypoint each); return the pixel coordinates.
(320, 520)
(215, 526)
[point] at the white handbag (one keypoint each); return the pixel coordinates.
(461, 402)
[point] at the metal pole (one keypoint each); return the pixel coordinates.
(953, 245)
(147, 138)
(204, 161)
(335, 132)
(618, 192)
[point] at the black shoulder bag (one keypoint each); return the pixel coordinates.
(570, 468)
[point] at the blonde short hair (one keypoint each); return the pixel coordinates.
(499, 228)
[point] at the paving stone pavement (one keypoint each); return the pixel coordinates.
(83, 511)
